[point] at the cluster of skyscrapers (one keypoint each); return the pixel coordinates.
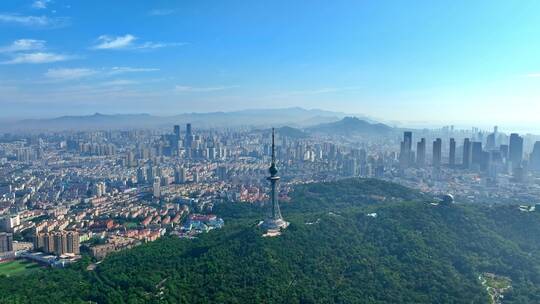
(407, 156)
(484, 156)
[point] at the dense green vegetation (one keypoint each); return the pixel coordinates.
(333, 252)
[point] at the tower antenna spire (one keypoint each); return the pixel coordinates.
(273, 147)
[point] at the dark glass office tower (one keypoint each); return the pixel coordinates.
(407, 139)
(452, 154)
(477, 153)
(189, 137)
(177, 131)
(467, 153)
(535, 157)
(421, 153)
(437, 152)
(405, 156)
(516, 150)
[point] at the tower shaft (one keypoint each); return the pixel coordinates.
(274, 221)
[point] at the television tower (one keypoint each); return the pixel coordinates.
(274, 221)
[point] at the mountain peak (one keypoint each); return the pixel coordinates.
(352, 125)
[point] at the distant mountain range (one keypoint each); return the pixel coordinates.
(294, 117)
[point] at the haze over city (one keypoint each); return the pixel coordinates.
(423, 64)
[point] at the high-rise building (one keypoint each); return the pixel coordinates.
(362, 156)
(405, 155)
(141, 176)
(351, 167)
(495, 162)
(535, 157)
(421, 153)
(6, 242)
(504, 151)
(274, 221)
(58, 242)
(189, 137)
(516, 150)
(99, 189)
(467, 153)
(407, 139)
(437, 152)
(130, 159)
(211, 152)
(9, 222)
(485, 160)
(179, 175)
(48, 243)
(452, 154)
(174, 140)
(491, 141)
(73, 242)
(157, 187)
(176, 132)
(222, 173)
(151, 173)
(477, 153)
(39, 241)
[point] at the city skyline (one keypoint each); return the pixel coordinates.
(430, 63)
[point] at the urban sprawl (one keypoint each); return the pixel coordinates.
(66, 194)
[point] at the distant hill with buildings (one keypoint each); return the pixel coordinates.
(352, 241)
(351, 126)
(291, 132)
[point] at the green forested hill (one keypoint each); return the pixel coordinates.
(411, 252)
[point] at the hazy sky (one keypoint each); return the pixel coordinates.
(463, 61)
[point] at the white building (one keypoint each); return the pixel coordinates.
(157, 187)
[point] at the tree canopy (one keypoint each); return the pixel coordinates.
(335, 251)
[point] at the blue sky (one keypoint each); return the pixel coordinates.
(459, 61)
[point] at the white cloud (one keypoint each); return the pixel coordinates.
(66, 74)
(31, 51)
(157, 45)
(39, 57)
(33, 21)
(119, 82)
(120, 70)
(23, 45)
(119, 42)
(161, 12)
(25, 20)
(189, 89)
(40, 4)
(69, 74)
(533, 75)
(106, 42)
